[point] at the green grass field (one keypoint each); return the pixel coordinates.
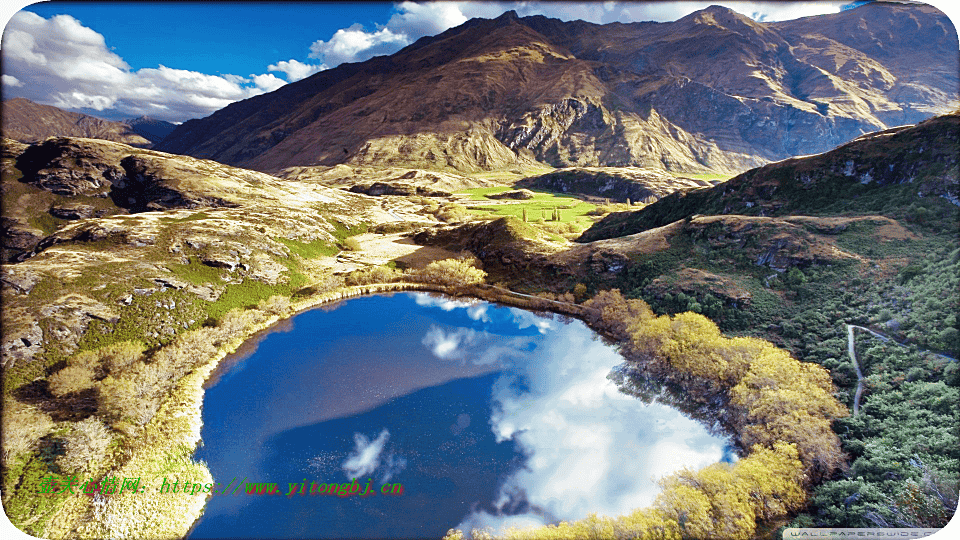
(540, 207)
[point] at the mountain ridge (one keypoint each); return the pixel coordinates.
(711, 91)
(29, 122)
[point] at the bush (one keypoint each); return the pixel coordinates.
(451, 272)
(276, 304)
(451, 213)
(72, 378)
(86, 446)
(118, 356)
(22, 426)
(351, 244)
(375, 274)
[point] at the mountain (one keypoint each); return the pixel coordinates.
(150, 128)
(713, 91)
(884, 172)
(26, 121)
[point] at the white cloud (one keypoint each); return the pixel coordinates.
(267, 82)
(296, 70)
(366, 455)
(10, 80)
(355, 44)
(60, 62)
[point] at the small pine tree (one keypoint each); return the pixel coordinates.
(524, 215)
(628, 202)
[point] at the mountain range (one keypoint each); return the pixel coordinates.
(26, 121)
(713, 91)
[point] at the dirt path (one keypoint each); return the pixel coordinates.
(853, 358)
(379, 249)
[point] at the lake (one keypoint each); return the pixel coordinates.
(484, 416)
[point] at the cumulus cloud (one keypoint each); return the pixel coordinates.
(355, 44)
(392, 466)
(10, 80)
(296, 70)
(365, 457)
(60, 62)
(589, 447)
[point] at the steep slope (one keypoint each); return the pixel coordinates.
(712, 91)
(907, 172)
(26, 121)
(150, 128)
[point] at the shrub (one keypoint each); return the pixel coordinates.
(375, 274)
(452, 272)
(86, 445)
(72, 378)
(451, 213)
(118, 356)
(351, 244)
(276, 304)
(22, 426)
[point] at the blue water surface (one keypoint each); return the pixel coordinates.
(487, 416)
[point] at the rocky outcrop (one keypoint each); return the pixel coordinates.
(403, 189)
(516, 194)
(620, 184)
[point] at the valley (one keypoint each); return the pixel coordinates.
(728, 270)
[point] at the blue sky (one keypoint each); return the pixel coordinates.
(177, 61)
(179, 34)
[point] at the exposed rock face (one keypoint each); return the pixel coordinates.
(84, 167)
(921, 158)
(396, 188)
(73, 211)
(153, 183)
(72, 167)
(615, 183)
(518, 194)
(30, 122)
(714, 90)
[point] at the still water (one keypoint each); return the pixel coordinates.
(487, 416)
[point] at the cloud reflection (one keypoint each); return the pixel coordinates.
(366, 456)
(589, 447)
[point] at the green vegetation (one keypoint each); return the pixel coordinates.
(704, 176)
(546, 209)
(309, 250)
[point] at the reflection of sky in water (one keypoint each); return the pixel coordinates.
(489, 416)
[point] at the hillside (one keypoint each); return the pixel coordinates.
(26, 121)
(150, 128)
(516, 92)
(907, 172)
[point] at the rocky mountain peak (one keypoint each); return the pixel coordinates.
(712, 91)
